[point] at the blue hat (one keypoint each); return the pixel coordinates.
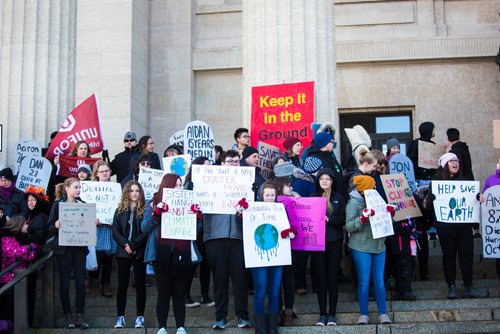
(312, 165)
(322, 139)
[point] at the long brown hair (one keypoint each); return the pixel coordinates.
(74, 151)
(125, 200)
(168, 181)
(61, 188)
(280, 183)
(15, 224)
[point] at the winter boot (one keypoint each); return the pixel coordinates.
(469, 292)
(452, 291)
(272, 323)
(260, 323)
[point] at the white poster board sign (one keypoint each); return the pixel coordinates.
(381, 222)
(456, 201)
(35, 171)
(179, 222)
(199, 141)
(267, 153)
(24, 148)
(105, 195)
(149, 179)
(490, 221)
(219, 188)
(262, 242)
(77, 224)
(177, 138)
(178, 165)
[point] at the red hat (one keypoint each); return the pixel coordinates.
(38, 192)
(289, 142)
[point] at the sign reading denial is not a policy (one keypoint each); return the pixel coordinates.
(490, 222)
(381, 222)
(199, 141)
(105, 195)
(456, 201)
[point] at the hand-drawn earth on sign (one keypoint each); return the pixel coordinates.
(179, 166)
(266, 240)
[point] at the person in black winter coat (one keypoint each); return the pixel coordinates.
(145, 146)
(131, 242)
(11, 199)
(121, 163)
(461, 150)
(426, 130)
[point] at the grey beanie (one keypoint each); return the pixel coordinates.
(391, 142)
(283, 169)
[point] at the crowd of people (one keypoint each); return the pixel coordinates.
(29, 224)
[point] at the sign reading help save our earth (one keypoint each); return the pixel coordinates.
(199, 141)
(179, 222)
(490, 221)
(219, 188)
(105, 195)
(381, 222)
(34, 171)
(456, 201)
(262, 242)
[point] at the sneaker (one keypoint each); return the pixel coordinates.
(139, 322)
(206, 301)
(331, 321)
(68, 321)
(363, 320)
(120, 322)
(162, 330)
(384, 319)
(322, 321)
(244, 323)
(190, 303)
(181, 330)
(219, 324)
(80, 323)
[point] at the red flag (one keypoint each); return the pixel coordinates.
(81, 124)
(68, 165)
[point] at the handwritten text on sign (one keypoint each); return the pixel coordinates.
(490, 219)
(456, 201)
(219, 188)
(400, 163)
(262, 242)
(179, 222)
(381, 222)
(399, 194)
(106, 196)
(266, 155)
(35, 171)
(77, 224)
(26, 148)
(307, 215)
(429, 154)
(149, 179)
(199, 140)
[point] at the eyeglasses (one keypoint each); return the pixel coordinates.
(103, 171)
(152, 143)
(145, 163)
(232, 162)
(128, 140)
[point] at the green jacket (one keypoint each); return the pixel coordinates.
(360, 235)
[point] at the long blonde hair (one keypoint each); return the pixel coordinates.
(61, 188)
(125, 200)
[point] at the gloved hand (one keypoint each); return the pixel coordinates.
(367, 213)
(242, 205)
(196, 209)
(289, 233)
(105, 155)
(391, 209)
(161, 208)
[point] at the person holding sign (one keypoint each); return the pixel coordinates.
(69, 258)
(491, 181)
(455, 237)
(422, 175)
(131, 241)
(144, 161)
(368, 253)
(326, 265)
(171, 259)
(10, 198)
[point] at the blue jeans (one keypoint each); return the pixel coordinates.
(266, 279)
(370, 264)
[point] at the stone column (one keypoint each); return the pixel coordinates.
(287, 41)
(37, 69)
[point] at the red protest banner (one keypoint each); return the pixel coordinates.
(282, 111)
(81, 124)
(68, 165)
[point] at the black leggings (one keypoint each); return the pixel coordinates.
(168, 284)
(124, 265)
(73, 258)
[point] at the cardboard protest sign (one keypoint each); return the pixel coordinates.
(266, 155)
(429, 154)
(24, 148)
(177, 138)
(149, 179)
(35, 171)
(199, 141)
(399, 194)
(77, 224)
(68, 165)
(490, 222)
(262, 242)
(307, 215)
(219, 188)
(456, 201)
(179, 222)
(381, 222)
(282, 111)
(400, 163)
(178, 165)
(105, 195)
(496, 133)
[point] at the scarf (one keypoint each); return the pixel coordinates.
(6, 192)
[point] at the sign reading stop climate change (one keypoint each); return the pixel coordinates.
(282, 111)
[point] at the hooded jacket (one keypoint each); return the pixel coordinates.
(426, 129)
(329, 161)
(462, 152)
(336, 218)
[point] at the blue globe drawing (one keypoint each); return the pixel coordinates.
(266, 236)
(179, 166)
